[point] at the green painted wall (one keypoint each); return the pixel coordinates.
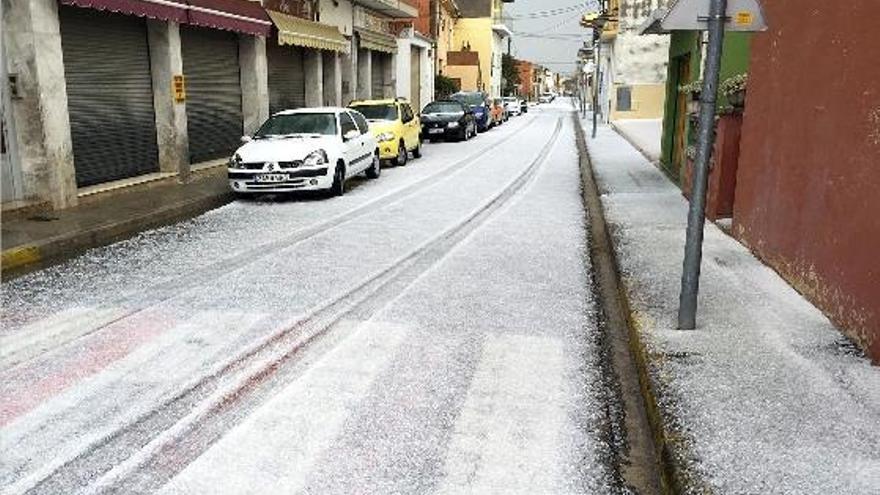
(680, 43)
(734, 60)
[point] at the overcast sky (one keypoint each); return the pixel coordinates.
(547, 31)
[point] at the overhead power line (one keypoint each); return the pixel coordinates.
(540, 14)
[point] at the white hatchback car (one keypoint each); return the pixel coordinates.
(305, 150)
(512, 104)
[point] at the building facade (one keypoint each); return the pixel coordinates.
(481, 28)
(465, 70)
(121, 93)
(444, 16)
(632, 66)
(526, 88)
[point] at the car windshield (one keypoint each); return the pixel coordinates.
(291, 124)
(510, 100)
(443, 107)
(378, 112)
(473, 99)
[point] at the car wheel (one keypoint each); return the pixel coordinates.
(338, 187)
(417, 152)
(402, 156)
(375, 169)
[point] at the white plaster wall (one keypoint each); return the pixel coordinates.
(339, 16)
(497, 49)
(639, 59)
(403, 86)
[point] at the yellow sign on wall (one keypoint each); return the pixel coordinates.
(744, 18)
(179, 88)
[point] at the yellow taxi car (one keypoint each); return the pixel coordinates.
(396, 127)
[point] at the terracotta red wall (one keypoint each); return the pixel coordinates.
(423, 22)
(808, 183)
(525, 76)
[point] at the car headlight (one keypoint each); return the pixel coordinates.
(452, 125)
(315, 158)
(385, 137)
(236, 161)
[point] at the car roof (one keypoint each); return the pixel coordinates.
(312, 110)
(385, 101)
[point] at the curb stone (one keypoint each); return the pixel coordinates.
(19, 260)
(671, 449)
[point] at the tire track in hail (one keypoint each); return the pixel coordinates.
(182, 284)
(189, 422)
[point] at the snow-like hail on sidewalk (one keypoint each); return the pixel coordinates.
(770, 397)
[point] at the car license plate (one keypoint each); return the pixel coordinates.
(272, 178)
(435, 131)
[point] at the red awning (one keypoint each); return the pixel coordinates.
(168, 10)
(241, 16)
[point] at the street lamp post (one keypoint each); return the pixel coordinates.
(596, 21)
(598, 37)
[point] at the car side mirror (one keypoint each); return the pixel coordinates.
(352, 134)
(246, 139)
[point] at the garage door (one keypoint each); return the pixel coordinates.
(378, 75)
(213, 92)
(415, 81)
(287, 83)
(109, 95)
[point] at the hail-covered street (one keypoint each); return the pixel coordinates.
(432, 331)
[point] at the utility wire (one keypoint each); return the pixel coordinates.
(540, 14)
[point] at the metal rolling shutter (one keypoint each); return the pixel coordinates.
(213, 92)
(377, 78)
(287, 82)
(109, 95)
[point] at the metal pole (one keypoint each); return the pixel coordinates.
(693, 249)
(596, 81)
(583, 93)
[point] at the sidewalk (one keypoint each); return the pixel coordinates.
(40, 239)
(765, 396)
(644, 134)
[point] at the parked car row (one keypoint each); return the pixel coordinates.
(312, 149)
(547, 97)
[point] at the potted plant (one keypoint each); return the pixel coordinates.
(735, 90)
(694, 89)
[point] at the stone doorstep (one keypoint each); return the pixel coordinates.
(98, 192)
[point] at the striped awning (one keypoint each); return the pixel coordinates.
(380, 42)
(301, 32)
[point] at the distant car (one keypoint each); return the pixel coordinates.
(396, 127)
(448, 119)
(479, 103)
(305, 149)
(499, 114)
(512, 105)
(545, 98)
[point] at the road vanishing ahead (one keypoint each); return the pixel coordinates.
(433, 331)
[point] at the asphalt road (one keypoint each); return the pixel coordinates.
(429, 332)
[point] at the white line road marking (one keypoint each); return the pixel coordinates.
(65, 326)
(506, 439)
(62, 427)
(274, 449)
